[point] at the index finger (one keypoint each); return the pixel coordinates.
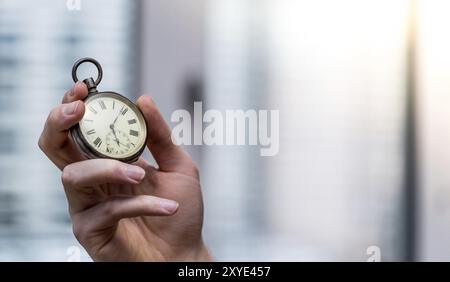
(170, 157)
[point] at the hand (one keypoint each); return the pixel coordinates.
(128, 212)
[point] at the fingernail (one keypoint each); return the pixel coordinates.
(70, 109)
(72, 91)
(134, 172)
(149, 99)
(169, 205)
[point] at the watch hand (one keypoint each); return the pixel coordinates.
(118, 142)
(128, 146)
(115, 136)
(115, 120)
(112, 128)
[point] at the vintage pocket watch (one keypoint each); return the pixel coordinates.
(112, 127)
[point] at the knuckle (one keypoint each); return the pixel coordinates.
(41, 143)
(115, 169)
(78, 229)
(51, 120)
(68, 93)
(54, 116)
(67, 176)
(194, 169)
(110, 206)
(146, 201)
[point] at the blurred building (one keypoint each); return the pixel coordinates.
(39, 42)
(335, 72)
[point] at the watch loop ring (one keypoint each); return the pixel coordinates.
(87, 60)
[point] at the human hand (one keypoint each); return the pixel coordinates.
(128, 212)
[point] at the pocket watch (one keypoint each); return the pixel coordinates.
(112, 127)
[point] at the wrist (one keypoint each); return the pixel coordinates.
(203, 254)
(199, 253)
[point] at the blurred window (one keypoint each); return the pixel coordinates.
(39, 42)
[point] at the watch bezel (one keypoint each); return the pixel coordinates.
(89, 151)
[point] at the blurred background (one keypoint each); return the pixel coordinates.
(362, 89)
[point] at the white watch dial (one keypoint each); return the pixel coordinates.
(112, 127)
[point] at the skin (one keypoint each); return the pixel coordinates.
(128, 212)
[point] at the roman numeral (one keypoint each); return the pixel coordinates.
(134, 133)
(124, 111)
(102, 105)
(132, 121)
(114, 104)
(92, 131)
(98, 142)
(92, 109)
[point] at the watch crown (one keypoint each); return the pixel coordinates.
(90, 83)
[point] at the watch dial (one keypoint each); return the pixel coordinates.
(113, 127)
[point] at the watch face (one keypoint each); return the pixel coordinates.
(113, 126)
